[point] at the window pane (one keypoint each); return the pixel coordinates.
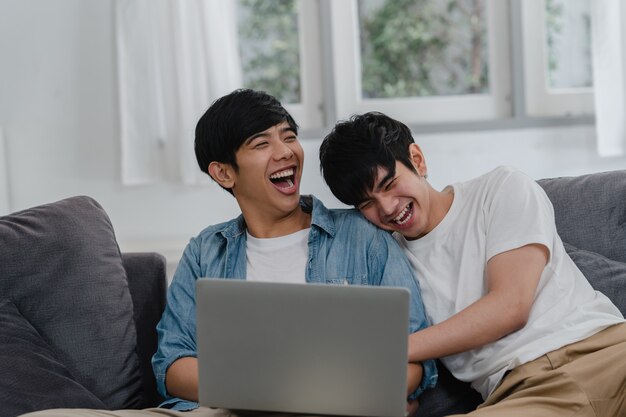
(415, 48)
(568, 37)
(268, 46)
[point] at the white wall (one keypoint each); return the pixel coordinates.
(58, 109)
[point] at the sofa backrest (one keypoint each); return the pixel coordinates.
(590, 211)
(590, 215)
(148, 285)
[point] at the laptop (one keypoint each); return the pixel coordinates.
(302, 348)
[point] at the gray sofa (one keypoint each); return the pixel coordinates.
(77, 317)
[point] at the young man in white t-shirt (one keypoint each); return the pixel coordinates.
(511, 312)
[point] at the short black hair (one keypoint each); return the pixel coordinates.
(231, 119)
(352, 152)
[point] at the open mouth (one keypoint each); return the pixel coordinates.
(284, 180)
(405, 215)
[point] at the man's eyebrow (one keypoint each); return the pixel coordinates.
(288, 129)
(384, 181)
(265, 134)
(256, 135)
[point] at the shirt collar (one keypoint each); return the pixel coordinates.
(320, 217)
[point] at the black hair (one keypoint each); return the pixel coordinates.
(230, 120)
(352, 152)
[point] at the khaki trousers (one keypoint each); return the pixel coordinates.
(587, 378)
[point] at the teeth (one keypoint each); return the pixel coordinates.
(403, 213)
(281, 174)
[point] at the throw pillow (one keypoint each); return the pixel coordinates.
(604, 274)
(61, 266)
(31, 376)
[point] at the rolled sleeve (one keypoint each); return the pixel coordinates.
(176, 329)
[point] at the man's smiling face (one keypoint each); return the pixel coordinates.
(269, 170)
(400, 202)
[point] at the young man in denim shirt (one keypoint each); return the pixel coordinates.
(247, 143)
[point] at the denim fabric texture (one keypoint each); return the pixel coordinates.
(343, 246)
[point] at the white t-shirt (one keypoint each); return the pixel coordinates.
(494, 213)
(278, 259)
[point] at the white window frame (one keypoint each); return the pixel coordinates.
(541, 100)
(419, 110)
(308, 112)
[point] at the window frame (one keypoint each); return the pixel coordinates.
(308, 113)
(419, 110)
(541, 100)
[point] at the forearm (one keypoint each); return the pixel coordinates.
(512, 279)
(182, 379)
(414, 377)
(473, 327)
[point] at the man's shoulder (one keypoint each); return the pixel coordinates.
(352, 225)
(500, 179)
(350, 218)
(219, 230)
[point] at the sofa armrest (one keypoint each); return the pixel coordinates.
(147, 284)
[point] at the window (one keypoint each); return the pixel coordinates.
(557, 55)
(279, 54)
(421, 61)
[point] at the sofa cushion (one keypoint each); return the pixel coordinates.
(604, 275)
(62, 268)
(590, 211)
(31, 376)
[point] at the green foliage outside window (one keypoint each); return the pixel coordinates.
(422, 47)
(269, 47)
(408, 47)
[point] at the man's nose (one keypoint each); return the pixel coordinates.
(387, 206)
(282, 151)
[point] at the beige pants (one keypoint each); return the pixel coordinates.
(587, 378)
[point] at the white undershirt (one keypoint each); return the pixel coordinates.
(278, 259)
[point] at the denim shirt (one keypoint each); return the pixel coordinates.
(343, 248)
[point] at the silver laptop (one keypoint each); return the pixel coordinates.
(302, 348)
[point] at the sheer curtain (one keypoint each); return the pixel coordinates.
(609, 74)
(174, 58)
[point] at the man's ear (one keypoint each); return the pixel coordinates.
(418, 160)
(222, 173)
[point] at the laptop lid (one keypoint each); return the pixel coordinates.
(302, 348)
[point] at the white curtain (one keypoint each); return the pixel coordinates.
(174, 58)
(608, 22)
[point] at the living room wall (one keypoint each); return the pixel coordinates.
(59, 115)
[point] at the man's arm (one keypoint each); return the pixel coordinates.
(174, 363)
(414, 378)
(512, 279)
(414, 375)
(182, 379)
